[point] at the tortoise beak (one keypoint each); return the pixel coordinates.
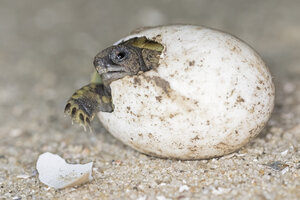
(103, 66)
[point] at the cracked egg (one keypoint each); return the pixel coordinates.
(210, 94)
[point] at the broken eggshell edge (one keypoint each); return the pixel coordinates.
(55, 172)
(209, 96)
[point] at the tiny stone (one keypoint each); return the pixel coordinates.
(23, 176)
(277, 165)
(285, 170)
(284, 153)
(183, 188)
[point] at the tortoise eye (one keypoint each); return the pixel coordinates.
(119, 54)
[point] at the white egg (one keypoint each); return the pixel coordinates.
(209, 96)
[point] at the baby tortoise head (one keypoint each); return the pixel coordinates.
(119, 61)
(113, 63)
(127, 58)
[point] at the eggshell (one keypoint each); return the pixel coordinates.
(55, 172)
(209, 96)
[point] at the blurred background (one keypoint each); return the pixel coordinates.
(47, 50)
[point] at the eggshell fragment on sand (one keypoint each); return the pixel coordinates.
(55, 172)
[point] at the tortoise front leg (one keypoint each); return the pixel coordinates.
(87, 101)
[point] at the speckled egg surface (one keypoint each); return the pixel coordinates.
(209, 96)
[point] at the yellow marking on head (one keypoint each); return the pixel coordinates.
(143, 42)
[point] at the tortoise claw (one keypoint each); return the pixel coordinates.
(77, 114)
(86, 102)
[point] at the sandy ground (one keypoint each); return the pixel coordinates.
(46, 52)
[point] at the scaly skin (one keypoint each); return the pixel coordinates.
(113, 63)
(87, 101)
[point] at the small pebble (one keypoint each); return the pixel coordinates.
(183, 188)
(285, 170)
(23, 176)
(277, 165)
(284, 153)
